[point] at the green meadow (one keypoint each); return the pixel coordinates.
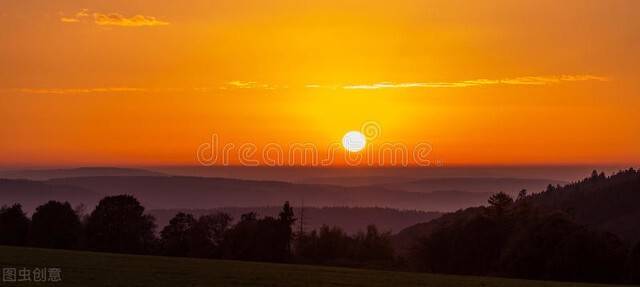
(104, 269)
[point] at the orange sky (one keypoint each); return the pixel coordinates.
(484, 82)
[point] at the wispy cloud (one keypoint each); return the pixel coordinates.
(237, 85)
(529, 80)
(113, 19)
(250, 85)
(76, 17)
(69, 19)
(242, 84)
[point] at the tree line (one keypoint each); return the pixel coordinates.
(513, 238)
(509, 237)
(118, 224)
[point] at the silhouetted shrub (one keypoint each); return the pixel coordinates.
(175, 238)
(331, 245)
(14, 225)
(55, 225)
(118, 224)
(266, 239)
(208, 234)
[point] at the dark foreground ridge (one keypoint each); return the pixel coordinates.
(104, 269)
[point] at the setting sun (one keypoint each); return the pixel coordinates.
(354, 141)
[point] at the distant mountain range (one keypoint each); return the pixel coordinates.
(161, 191)
(470, 184)
(31, 193)
(197, 192)
(375, 175)
(44, 174)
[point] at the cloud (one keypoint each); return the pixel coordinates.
(69, 19)
(234, 85)
(113, 19)
(528, 81)
(242, 84)
(390, 85)
(76, 17)
(250, 85)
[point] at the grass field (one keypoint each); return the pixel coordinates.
(104, 269)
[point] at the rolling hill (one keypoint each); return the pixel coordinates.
(180, 192)
(44, 174)
(467, 184)
(31, 193)
(603, 203)
(104, 269)
(606, 203)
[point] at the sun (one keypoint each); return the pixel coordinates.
(354, 141)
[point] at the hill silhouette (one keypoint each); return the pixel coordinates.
(44, 174)
(602, 203)
(31, 193)
(169, 192)
(605, 203)
(469, 184)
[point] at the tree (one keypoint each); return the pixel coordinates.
(331, 245)
(553, 247)
(286, 220)
(250, 239)
(525, 243)
(14, 225)
(186, 236)
(118, 224)
(500, 202)
(266, 239)
(250, 216)
(468, 244)
(55, 225)
(176, 237)
(208, 235)
(522, 194)
(286, 215)
(373, 245)
(550, 188)
(324, 246)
